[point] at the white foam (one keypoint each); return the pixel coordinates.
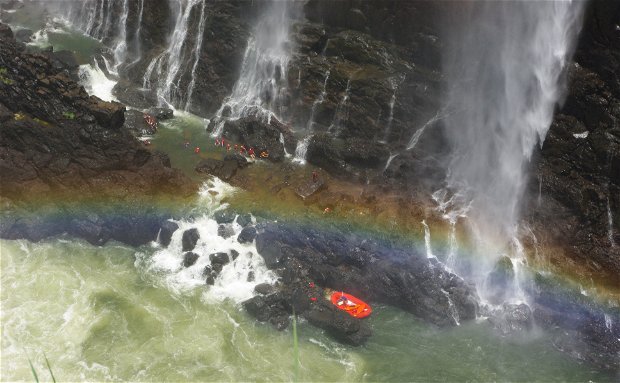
(234, 281)
(581, 135)
(96, 82)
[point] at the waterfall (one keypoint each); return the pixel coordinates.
(261, 87)
(171, 66)
(197, 48)
(120, 51)
(504, 69)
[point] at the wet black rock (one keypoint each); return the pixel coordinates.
(262, 136)
(310, 187)
(224, 216)
(500, 280)
(219, 258)
(189, 259)
(161, 113)
(264, 289)
(247, 235)
(234, 254)
(130, 94)
(23, 35)
(225, 231)
(225, 169)
(190, 238)
(367, 269)
(135, 123)
(244, 220)
(588, 330)
(165, 234)
(271, 308)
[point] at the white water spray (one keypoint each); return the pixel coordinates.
(504, 75)
(260, 89)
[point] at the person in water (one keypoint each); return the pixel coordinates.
(315, 176)
(251, 153)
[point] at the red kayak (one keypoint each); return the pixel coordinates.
(351, 305)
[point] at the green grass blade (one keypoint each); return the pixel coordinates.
(34, 372)
(295, 349)
(49, 368)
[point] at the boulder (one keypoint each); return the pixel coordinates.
(222, 169)
(253, 132)
(190, 238)
(225, 231)
(165, 233)
(244, 220)
(219, 258)
(6, 32)
(161, 113)
(189, 259)
(110, 115)
(500, 280)
(247, 235)
(224, 216)
(310, 188)
(23, 35)
(234, 254)
(264, 289)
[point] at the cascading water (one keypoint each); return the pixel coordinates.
(504, 74)
(120, 51)
(318, 102)
(261, 86)
(342, 111)
(170, 67)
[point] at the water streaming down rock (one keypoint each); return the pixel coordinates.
(166, 73)
(317, 102)
(120, 50)
(261, 88)
(342, 111)
(504, 69)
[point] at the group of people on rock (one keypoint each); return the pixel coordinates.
(240, 148)
(151, 122)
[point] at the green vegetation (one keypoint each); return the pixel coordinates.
(5, 80)
(69, 115)
(34, 371)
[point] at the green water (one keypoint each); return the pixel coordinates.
(98, 314)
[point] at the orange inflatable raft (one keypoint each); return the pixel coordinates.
(351, 305)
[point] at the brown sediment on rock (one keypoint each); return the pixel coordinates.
(64, 156)
(56, 139)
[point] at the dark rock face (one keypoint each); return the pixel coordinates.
(259, 135)
(61, 140)
(23, 35)
(247, 235)
(219, 258)
(189, 239)
(189, 259)
(165, 235)
(576, 180)
(225, 231)
(501, 280)
(225, 169)
(345, 262)
(161, 113)
(589, 331)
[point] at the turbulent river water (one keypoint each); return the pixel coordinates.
(119, 313)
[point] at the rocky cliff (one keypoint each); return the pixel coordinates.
(58, 145)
